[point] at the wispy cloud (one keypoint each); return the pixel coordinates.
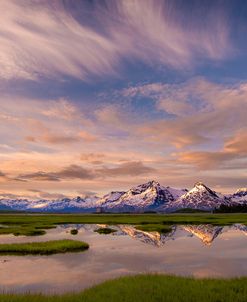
(199, 111)
(45, 39)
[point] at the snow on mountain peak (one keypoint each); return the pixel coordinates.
(147, 196)
(199, 197)
(200, 187)
(144, 197)
(241, 192)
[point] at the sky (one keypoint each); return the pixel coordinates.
(98, 96)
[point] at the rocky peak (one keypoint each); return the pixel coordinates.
(201, 188)
(146, 186)
(241, 192)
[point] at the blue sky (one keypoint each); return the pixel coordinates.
(103, 95)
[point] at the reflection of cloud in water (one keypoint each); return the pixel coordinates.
(128, 251)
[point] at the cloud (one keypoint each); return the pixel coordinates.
(218, 110)
(133, 168)
(237, 144)
(70, 172)
(87, 137)
(234, 150)
(50, 136)
(47, 195)
(152, 32)
(36, 39)
(74, 171)
(47, 39)
(6, 178)
(85, 194)
(39, 176)
(91, 156)
(61, 109)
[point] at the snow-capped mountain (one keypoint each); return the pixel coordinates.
(144, 197)
(109, 198)
(239, 197)
(77, 204)
(150, 196)
(200, 197)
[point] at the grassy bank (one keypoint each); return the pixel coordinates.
(43, 248)
(29, 229)
(35, 224)
(19, 230)
(151, 288)
(53, 219)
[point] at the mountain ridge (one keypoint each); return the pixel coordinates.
(150, 196)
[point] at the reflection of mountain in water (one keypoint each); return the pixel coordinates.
(240, 227)
(206, 232)
(153, 238)
(82, 227)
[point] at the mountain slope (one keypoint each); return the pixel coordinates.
(150, 196)
(200, 197)
(239, 197)
(144, 197)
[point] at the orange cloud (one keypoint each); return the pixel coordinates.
(234, 149)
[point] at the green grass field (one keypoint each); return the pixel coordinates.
(43, 248)
(35, 224)
(150, 288)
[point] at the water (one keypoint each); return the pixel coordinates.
(199, 251)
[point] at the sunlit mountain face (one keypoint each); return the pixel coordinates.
(102, 96)
(147, 197)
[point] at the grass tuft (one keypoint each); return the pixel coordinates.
(22, 230)
(43, 248)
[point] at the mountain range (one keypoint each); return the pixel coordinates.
(150, 196)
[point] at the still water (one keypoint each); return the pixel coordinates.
(199, 251)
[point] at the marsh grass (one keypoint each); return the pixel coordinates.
(161, 228)
(105, 231)
(21, 231)
(150, 288)
(25, 229)
(54, 219)
(35, 224)
(43, 248)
